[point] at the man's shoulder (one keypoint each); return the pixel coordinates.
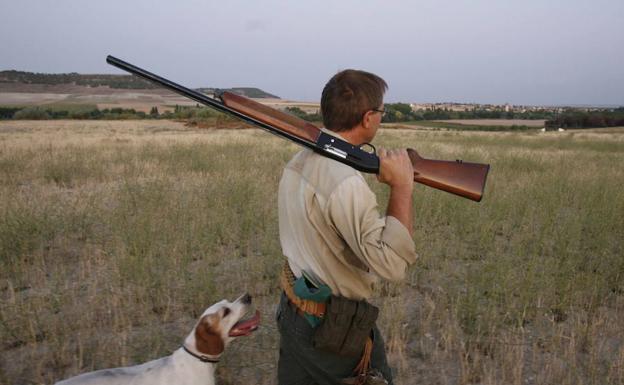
(322, 172)
(308, 161)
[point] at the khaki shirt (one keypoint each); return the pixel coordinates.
(330, 227)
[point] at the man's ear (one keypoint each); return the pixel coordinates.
(208, 335)
(366, 119)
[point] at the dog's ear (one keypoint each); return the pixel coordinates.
(208, 335)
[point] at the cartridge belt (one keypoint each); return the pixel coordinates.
(287, 280)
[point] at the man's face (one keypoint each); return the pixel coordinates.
(374, 121)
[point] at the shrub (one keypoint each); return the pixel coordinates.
(32, 113)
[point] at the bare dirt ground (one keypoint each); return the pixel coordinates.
(605, 130)
(21, 98)
(497, 122)
(105, 97)
(308, 107)
(411, 126)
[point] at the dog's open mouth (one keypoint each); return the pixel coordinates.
(245, 327)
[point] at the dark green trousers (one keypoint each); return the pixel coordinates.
(301, 364)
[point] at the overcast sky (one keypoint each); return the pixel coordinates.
(485, 51)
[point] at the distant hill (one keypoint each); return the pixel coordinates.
(112, 81)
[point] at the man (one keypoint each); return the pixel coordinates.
(333, 235)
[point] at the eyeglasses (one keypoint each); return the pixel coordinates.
(383, 112)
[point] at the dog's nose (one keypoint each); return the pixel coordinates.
(246, 299)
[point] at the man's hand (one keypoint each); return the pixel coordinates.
(395, 168)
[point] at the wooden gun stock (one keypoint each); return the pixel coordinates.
(457, 177)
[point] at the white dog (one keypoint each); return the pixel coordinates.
(195, 362)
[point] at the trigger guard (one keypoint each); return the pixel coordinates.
(369, 145)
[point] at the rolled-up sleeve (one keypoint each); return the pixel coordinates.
(383, 244)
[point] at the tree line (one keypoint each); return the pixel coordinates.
(593, 119)
(569, 118)
(403, 112)
(395, 112)
(112, 81)
(87, 112)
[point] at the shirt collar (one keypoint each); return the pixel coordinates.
(333, 133)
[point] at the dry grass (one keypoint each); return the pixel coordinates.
(114, 236)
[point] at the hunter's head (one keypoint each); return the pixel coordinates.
(349, 96)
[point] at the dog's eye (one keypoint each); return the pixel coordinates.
(226, 311)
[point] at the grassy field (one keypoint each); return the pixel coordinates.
(114, 237)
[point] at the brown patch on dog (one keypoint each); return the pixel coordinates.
(208, 336)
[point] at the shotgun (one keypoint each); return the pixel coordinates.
(457, 177)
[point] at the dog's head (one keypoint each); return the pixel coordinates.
(219, 325)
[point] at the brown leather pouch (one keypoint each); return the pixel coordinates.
(345, 327)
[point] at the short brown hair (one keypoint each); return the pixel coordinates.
(348, 95)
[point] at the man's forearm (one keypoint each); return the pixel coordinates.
(400, 205)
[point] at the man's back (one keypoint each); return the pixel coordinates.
(330, 227)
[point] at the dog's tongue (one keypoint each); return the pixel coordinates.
(245, 327)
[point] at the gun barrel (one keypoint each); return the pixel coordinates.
(201, 98)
